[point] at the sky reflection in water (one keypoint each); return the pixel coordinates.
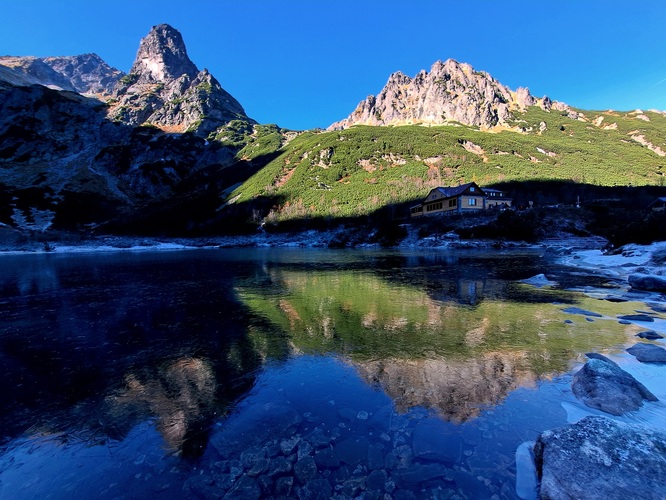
(131, 374)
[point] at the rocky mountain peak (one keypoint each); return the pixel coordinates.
(166, 90)
(450, 92)
(162, 56)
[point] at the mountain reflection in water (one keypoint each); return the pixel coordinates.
(181, 395)
(458, 389)
(428, 337)
(168, 368)
(98, 344)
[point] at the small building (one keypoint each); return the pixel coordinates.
(464, 198)
(658, 205)
(497, 199)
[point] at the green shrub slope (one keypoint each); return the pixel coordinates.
(359, 170)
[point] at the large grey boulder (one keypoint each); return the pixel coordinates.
(648, 282)
(602, 384)
(649, 335)
(598, 458)
(648, 353)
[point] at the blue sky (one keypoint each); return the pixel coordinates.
(305, 64)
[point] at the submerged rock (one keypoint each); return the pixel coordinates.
(435, 440)
(353, 451)
(270, 419)
(648, 353)
(317, 489)
(418, 473)
(305, 469)
(598, 458)
(246, 487)
(602, 384)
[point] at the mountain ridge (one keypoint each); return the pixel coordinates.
(84, 73)
(165, 149)
(83, 144)
(451, 92)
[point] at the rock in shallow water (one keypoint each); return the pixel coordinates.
(539, 281)
(437, 440)
(648, 282)
(649, 334)
(598, 458)
(637, 317)
(246, 487)
(353, 451)
(317, 489)
(584, 312)
(270, 419)
(602, 384)
(648, 353)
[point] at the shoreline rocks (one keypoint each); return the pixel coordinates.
(648, 282)
(603, 385)
(598, 458)
(648, 353)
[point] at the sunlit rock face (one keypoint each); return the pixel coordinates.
(456, 389)
(181, 396)
(162, 56)
(450, 92)
(85, 73)
(164, 88)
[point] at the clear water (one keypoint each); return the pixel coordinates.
(292, 373)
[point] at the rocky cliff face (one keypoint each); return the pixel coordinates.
(73, 151)
(62, 159)
(450, 92)
(86, 73)
(165, 89)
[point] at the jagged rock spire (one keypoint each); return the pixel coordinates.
(165, 89)
(162, 56)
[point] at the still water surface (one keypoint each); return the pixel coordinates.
(288, 373)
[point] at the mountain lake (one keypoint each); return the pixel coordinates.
(302, 373)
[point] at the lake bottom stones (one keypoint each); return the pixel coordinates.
(386, 455)
(599, 458)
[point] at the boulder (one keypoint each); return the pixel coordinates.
(353, 451)
(583, 312)
(317, 489)
(648, 282)
(539, 281)
(268, 420)
(598, 458)
(649, 334)
(305, 469)
(648, 353)
(602, 384)
(637, 317)
(437, 440)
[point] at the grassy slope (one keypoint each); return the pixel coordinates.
(359, 170)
